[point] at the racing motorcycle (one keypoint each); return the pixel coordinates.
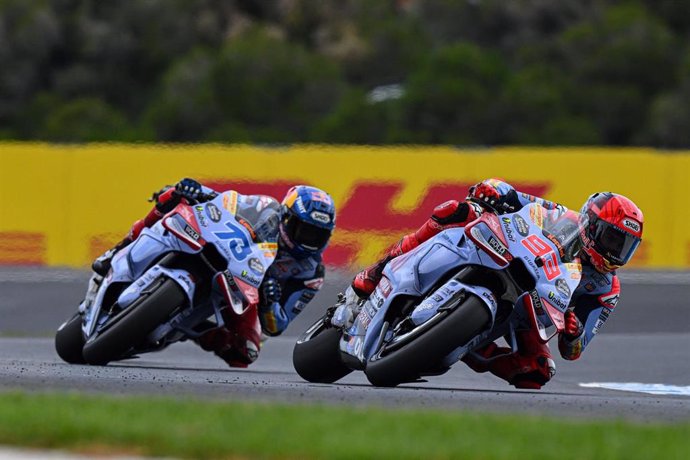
(455, 293)
(171, 283)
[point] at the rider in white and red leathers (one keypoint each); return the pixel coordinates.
(609, 241)
(298, 228)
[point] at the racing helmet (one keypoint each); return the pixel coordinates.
(610, 230)
(307, 220)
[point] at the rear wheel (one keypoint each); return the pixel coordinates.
(316, 355)
(407, 358)
(130, 327)
(69, 341)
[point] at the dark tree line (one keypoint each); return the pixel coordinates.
(533, 72)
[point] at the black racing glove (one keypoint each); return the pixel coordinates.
(271, 291)
(189, 189)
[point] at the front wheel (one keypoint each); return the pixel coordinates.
(69, 341)
(404, 362)
(316, 355)
(130, 327)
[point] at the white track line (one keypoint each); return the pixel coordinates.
(650, 388)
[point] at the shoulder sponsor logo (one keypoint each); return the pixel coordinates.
(562, 288)
(256, 266)
(321, 217)
(213, 212)
(632, 225)
(521, 225)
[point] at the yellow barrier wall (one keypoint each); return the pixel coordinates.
(62, 205)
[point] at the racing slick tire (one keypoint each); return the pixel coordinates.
(69, 341)
(316, 356)
(427, 343)
(130, 327)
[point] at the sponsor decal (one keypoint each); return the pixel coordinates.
(632, 225)
(605, 312)
(243, 222)
(556, 242)
(536, 302)
(298, 307)
(490, 297)
(560, 303)
(321, 217)
(385, 287)
(597, 325)
(300, 205)
(230, 201)
(314, 283)
(200, 216)
(192, 233)
(252, 279)
(321, 196)
(213, 212)
(610, 300)
(521, 225)
(590, 286)
(497, 246)
(270, 249)
(562, 288)
(508, 230)
(536, 214)
(256, 266)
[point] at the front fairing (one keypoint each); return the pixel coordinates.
(547, 242)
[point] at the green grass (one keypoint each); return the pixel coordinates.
(208, 429)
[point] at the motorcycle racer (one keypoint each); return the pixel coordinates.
(299, 229)
(610, 230)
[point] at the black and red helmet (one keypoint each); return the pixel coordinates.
(611, 230)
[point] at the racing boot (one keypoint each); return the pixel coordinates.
(479, 360)
(530, 367)
(239, 342)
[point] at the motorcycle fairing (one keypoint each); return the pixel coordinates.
(188, 229)
(414, 274)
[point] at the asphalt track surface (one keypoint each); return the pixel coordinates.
(647, 340)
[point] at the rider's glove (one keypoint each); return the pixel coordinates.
(573, 327)
(489, 197)
(271, 291)
(188, 189)
(484, 193)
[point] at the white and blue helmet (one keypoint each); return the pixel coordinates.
(307, 220)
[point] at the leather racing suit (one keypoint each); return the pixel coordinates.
(238, 343)
(531, 366)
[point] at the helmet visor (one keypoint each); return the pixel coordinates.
(616, 245)
(304, 234)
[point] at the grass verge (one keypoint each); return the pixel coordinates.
(208, 429)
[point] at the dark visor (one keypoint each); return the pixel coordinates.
(307, 235)
(616, 245)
